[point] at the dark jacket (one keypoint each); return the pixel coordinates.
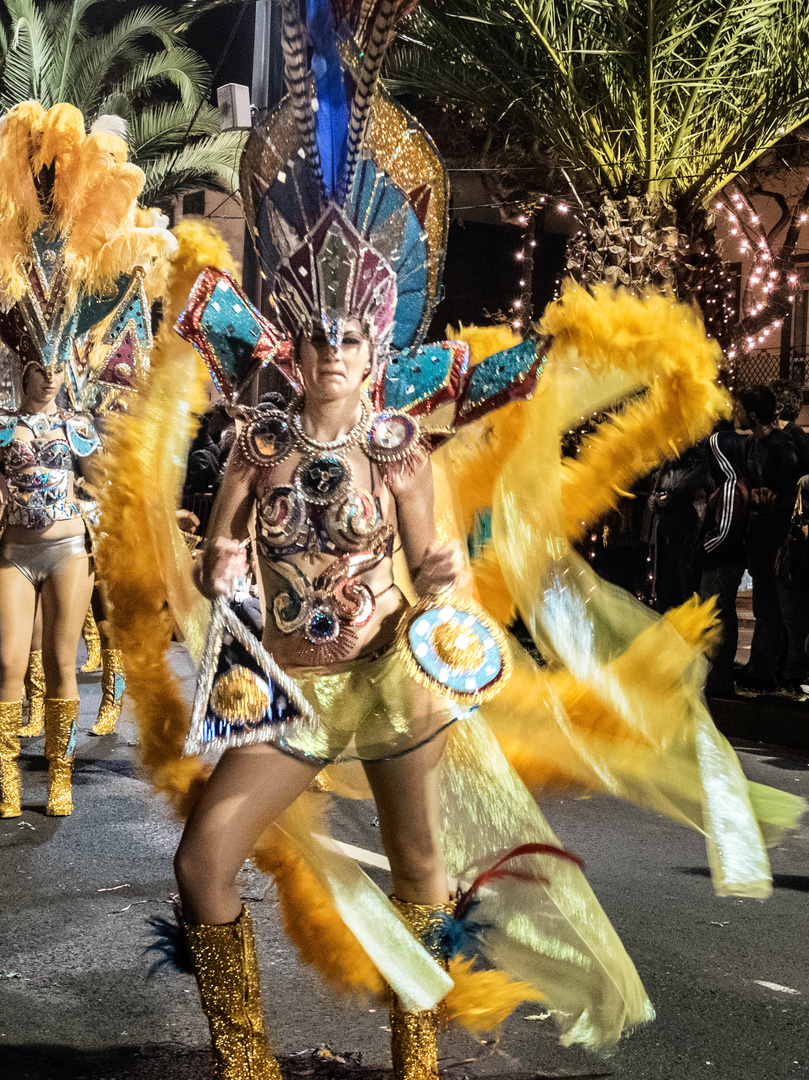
(727, 510)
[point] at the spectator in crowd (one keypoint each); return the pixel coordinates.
(774, 470)
(792, 576)
(206, 461)
(671, 529)
(789, 402)
(721, 552)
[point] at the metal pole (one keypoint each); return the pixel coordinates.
(268, 62)
(266, 88)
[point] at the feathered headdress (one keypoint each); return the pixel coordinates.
(344, 191)
(72, 242)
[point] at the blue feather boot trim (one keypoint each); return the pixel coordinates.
(170, 941)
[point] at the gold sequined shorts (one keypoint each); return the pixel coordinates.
(372, 711)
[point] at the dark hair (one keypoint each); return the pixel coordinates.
(758, 399)
(789, 398)
(26, 371)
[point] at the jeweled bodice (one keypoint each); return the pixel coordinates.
(39, 470)
(325, 522)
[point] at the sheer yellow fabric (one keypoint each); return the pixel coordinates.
(654, 742)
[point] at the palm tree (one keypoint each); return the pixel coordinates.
(639, 112)
(138, 67)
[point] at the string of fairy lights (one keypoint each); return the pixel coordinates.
(765, 275)
(721, 287)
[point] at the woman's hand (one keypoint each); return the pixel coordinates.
(222, 562)
(440, 569)
(187, 521)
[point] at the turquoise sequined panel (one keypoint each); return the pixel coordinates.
(130, 311)
(232, 329)
(8, 425)
(414, 377)
(498, 372)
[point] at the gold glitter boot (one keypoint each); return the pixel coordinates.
(413, 1048)
(61, 721)
(10, 721)
(227, 976)
(112, 692)
(35, 692)
(92, 639)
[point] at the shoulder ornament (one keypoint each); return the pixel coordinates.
(267, 440)
(393, 438)
(82, 437)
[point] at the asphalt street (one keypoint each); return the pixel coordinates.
(729, 977)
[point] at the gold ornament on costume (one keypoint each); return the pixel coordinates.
(455, 649)
(240, 696)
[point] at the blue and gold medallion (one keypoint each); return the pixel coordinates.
(455, 649)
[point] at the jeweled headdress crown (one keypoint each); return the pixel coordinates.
(72, 244)
(344, 191)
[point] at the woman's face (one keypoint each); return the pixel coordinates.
(331, 374)
(40, 387)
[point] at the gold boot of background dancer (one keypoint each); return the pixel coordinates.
(61, 722)
(92, 639)
(35, 692)
(10, 721)
(112, 692)
(413, 1045)
(226, 969)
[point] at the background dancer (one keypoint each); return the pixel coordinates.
(70, 233)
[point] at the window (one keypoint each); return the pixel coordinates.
(194, 204)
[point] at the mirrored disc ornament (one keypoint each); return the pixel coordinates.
(455, 649)
(392, 437)
(322, 479)
(268, 440)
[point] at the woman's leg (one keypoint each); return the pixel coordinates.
(247, 791)
(91, 632)
(113, 682)
(405, 790)
(17, 606)
(18, 601)
(407, 799)
(35, 681)
(65, 597)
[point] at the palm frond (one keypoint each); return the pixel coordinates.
(177, 66)
(162, 129)
(211, 163)
(29, 56)
(670, 96)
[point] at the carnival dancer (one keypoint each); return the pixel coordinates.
(347, 199)
(69, 236)
(43, 554)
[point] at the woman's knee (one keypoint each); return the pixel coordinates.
(197, 867)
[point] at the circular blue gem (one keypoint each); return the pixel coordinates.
(322, 625)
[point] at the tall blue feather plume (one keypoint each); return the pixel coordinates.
(332, 92)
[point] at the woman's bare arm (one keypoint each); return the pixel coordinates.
(223, 558)
(433, 567)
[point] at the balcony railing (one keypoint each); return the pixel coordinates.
(764, 365)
